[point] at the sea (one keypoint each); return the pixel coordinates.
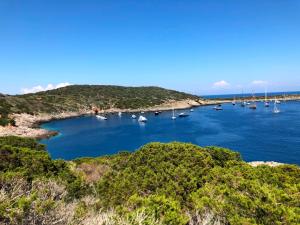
(258, 135)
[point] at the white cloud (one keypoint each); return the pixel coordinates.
(39, 88)
(221, 84)
(259, 82)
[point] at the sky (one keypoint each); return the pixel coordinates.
(201, 47)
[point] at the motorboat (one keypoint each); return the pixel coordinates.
(183, 114)
(142, 119)
(218, 108)
(101, 117)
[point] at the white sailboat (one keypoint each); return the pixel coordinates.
(120, 114)
(234, 101)
(276, 110)
(267, 104)
(142, 119)
(253, 105)
(243, 102)
(173, 116)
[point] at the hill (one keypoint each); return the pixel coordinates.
(84, 97)
(175, 183)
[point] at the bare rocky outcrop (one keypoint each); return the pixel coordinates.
(262, 163)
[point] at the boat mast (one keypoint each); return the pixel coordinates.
(266, 97)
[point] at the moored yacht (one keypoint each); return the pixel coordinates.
(253, 104)
(101, 117)
(183, 114)
(267, 103)
(142, 119)
(218, 107)
(173, 116)
(234, 101)
(276, 110)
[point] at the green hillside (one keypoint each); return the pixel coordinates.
(172, 184)
(73, 98)
(85, 97)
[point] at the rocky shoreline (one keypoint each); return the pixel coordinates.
(29, 125)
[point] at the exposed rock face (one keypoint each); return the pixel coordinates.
(262, 163)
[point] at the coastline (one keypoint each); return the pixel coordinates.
(29, 125)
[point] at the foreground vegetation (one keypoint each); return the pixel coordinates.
(173, 183)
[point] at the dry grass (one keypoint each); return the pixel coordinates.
(92, 172)
(48, 207)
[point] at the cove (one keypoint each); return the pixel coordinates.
(259, 135)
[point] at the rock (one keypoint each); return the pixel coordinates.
(262, 163)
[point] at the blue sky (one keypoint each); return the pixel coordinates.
(204, 47)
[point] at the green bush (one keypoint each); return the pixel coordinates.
(163, 208)
(173, 170)
(172, 183)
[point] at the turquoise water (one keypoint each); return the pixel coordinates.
(257, 135)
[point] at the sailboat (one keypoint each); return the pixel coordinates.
(243, 102)
(267, 104)
(275, 110)
(173, 116)
(234, 102)
(253, 105)
(120, 114)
